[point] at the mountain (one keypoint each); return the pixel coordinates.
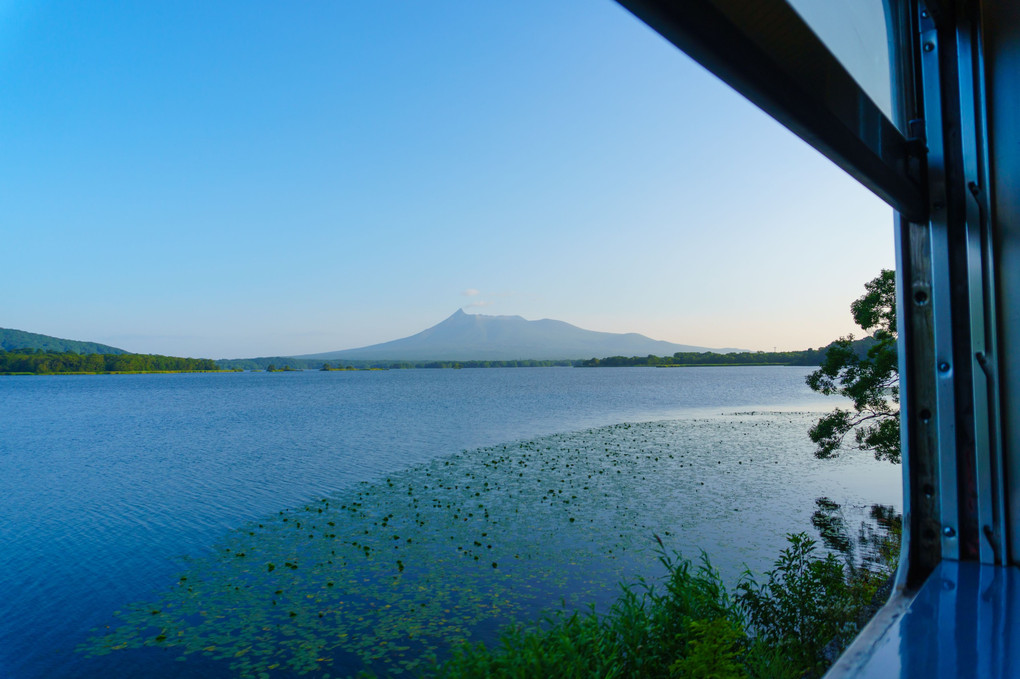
(474, 337)
(19, 339)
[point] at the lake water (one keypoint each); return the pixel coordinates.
(171, 495)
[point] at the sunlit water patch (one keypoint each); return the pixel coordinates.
(385, 573)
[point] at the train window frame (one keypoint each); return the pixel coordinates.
(953, 184)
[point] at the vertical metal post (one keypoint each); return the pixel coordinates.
(990, 510)
(919, 405)
(1000, 25)
(944, 405)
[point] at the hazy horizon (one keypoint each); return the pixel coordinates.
(461, 309)
(237, 180)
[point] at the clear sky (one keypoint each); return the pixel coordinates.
(230, 179)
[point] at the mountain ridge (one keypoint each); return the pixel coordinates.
(11, 339)
(466, 337)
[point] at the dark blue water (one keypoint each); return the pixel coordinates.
(107, 481)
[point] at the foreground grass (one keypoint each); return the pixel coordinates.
(791, 624)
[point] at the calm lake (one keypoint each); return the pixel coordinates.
(312, 523)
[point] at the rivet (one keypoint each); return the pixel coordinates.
(943, 367)
(929, 46)
(949, 532)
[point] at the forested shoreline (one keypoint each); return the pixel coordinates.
(263, 363)
(711, 358)
(807, 357)
(38, 362)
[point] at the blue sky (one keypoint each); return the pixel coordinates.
(236, 179)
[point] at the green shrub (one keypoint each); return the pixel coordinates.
(714, 651)
(689, 627)
(643, 635)
(804, 604)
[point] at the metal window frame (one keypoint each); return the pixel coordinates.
(955, 485)
(765, 51)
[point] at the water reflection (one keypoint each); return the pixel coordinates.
(451, 550)
(868, 540)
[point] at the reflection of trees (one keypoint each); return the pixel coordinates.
(876, 544)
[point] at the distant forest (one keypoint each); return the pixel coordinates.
(42, 362)
(39, 362)
(690, 358)
(679, 359)
(318, 364)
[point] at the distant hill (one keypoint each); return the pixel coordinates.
(467, 337)
(19, 339)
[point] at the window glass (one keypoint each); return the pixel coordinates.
(857, 33)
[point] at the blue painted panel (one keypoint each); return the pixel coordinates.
(962, 623)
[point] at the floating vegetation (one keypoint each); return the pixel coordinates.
(384, 574)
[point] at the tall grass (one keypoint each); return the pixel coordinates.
(690, 625)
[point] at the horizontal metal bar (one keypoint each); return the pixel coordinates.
(765, 51)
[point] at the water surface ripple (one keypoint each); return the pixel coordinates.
(109, 481)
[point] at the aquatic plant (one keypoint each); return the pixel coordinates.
(384, 574)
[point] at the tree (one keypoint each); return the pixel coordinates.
(868, 378)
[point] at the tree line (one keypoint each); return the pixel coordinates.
(807, 357)
(710, 358)
(348, 364)
(39, 362)
(521, 363)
